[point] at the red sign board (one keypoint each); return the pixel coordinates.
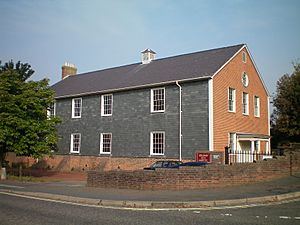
(203, 157)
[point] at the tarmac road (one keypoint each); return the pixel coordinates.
(20, 210)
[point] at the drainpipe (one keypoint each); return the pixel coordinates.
(268, 147)
(180, 120)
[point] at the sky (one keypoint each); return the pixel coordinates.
(98, 34)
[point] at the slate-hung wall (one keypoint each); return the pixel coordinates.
(132, 122)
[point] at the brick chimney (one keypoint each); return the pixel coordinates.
(68, 69)
(147, 56)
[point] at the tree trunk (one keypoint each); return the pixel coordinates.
(2, 155)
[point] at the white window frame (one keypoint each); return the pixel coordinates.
(256, 106)
(72, 143)
(152, 100)
(152, 143)
(233, 100)
(73, 107)
(103, 113)
(245, 105)
(101, 143)
(53, 106)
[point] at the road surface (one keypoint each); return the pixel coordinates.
(20, 210)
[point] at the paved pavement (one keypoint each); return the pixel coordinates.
(76, 191)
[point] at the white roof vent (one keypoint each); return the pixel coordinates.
(147, 56)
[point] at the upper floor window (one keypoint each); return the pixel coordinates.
(256, 106)
(245, 102)
(105, 143)
(244, 57)
(157, 143)
(76, 107)
(158, 100)
(106, 105)
(51, 110)
(75, 143)
(231, 100)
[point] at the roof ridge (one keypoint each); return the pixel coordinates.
(202, 51)
(159, 59)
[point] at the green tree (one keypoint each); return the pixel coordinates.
(286, 115)
(25, 127)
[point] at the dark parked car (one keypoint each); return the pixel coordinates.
(164, 164)
(193, 164)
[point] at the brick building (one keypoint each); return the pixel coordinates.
(164, 108)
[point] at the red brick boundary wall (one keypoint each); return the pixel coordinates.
(214, 175)
(66, 163)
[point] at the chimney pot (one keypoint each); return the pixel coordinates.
(68, 69)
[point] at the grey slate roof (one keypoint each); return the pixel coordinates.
(191, 66)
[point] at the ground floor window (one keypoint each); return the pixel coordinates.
(75, 143)
(157, 140)
(105, 143)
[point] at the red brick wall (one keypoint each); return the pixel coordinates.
(194, 177)
(83, 163)
(226, 122)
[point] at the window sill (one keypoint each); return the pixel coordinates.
(106, 115)
(74, 153)
(157, 155)
(162, 111)
(105, 153)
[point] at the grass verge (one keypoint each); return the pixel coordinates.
(25, 178)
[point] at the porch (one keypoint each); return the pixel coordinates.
(247, 148)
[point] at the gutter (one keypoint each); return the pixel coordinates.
(180, 120)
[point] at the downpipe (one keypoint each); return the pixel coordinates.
(180, 120)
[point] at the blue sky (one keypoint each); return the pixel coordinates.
(100, 34)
